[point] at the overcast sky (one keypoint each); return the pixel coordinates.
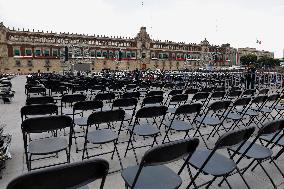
(238, 22)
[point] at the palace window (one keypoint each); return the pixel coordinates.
(110, 53)
(165, 56)
(160, 55)
(28, 52)
(133, 55)
(99, 54)
(105, 54)
(29, 63)
(143, 55)
(92, 53)
(55, 52)
(17, 52)
(128, 54)
(38, 52)
(46, 52)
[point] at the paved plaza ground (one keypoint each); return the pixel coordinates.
(10, 114)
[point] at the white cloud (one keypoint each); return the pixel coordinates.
(238, 22)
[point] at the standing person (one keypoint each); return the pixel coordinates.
(252, 73)
(248, 78)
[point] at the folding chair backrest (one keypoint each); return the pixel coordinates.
(40, 100)
(263, 92)
(188, 108)
(218, 94)
(87, 105)
(106, 117)
(36, 90)
(259, 99)
(39, 109)
(153, 100)
(271, 127)
(135, 94)
(105, 96)
(191, 91)
(234, 93)
(73, 98)
(200, 96)
(125, 102)
(179, 98)
(248, 92)
(155, 93)
(219, 105)
(175, 92)
(169, 152)
(68, 176)
(273, 97)
(242, 101)
(235, 137)
(46, 123)
(152, 111)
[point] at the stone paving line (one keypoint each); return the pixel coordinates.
(10, 114)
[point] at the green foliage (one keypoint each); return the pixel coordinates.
(268, 62)
(263, 62)
(248, 59)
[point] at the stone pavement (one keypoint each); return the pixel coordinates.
(10, 114)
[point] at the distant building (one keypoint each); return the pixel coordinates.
(254, 51)
(37, 51)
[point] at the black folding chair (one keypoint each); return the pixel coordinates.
(38, 110)
(260, 152)
(153, 118)
(214, 117)
(101, 135)
(127, 104)
(155, 93)
(175, 101)
(46, 146)
(82, 121)
(267, 109)
(254, 110)
(151, 173)
(152, 101)
(40, 100)
(135, 94)
(74, 175)
(70, 100)
(238, 111)
(210, 162)
(181, 120)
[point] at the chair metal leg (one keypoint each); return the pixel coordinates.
(272, 182)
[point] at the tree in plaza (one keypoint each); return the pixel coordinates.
(248, 59)
(268, 62)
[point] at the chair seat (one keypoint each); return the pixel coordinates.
(269, 137)
(152, 177)
(69, 112)
(251, 113)
(179, 125)
(145, 130)
(209, 120)
(279, 107)
(127, 117)
(234, 116)
(172, 110)
(81, 121)
(101, 136)
(256, 151)
(266, 110)
(218, 164)
(47, 145)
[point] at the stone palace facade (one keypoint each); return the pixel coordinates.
(25, 51)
